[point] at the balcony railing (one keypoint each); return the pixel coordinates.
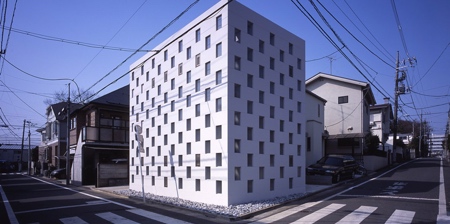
(105, 134)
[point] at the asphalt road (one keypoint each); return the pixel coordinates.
(33, 200)
(414, 192)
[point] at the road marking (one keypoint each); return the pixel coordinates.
(400, 217)
(9, 211)
(156, 216)
(442, 216)
(115, 218)
(358, 215)
(315, 216)
(286, 213)
(89, 195)
(73, 220)
(64, 207)
(385, 196)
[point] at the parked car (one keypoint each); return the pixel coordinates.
(58, 173)
(336, 166)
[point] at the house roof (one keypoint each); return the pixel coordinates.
(364, 85)
(119, 97)
(15, 147)
(316, 96)
(383, 106)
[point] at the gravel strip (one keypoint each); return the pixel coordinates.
(230, 211)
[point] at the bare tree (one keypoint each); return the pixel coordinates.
(75, 97)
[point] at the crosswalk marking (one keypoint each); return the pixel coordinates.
(156, 216)
(115, 218)
(73, 220)
(401, 216)
(286, 213)
(358, 215)
(315, 216)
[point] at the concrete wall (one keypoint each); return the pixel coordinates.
(373, 163)
(112, 175)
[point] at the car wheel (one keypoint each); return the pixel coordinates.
(336, 178)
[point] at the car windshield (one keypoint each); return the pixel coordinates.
(331, 161)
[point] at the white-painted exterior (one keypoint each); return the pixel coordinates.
(314, 128)
(260, 157)
(343, 120)
(380, 120)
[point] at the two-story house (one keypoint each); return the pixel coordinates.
(315, 135)
(380, 122)
(99, 135)
(347, 114)
(53, 145)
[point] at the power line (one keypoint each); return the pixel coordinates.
(74, 42)
(399, 26)
(148, 41)
(98, 53)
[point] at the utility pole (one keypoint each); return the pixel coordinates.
(394, 145)
(21, 152)
(29, 148)
(68, 140)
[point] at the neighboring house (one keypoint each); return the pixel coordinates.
(220, 106)
(12, 153)
(53, 145)
(315, 135)
(380, 122)
(99, 135)
(347, 114)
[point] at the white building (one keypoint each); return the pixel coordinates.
(346, 112)
(315, 135)
(380, 122)
(220, 106)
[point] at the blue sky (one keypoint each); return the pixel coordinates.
(373, 36)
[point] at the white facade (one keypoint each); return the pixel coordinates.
(314, 128)
(223, 126)
(347, 115)
(380, 120)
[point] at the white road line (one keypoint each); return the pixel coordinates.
(89, 195)
(117, 219)
(156, 216)
(385, 196)
(317, 215)
(401, 217)
(63, 207)
(442, 216)
(9, 211)
(73, 220)
(358, 215)
(286, 213)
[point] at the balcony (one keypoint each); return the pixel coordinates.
(105, 134)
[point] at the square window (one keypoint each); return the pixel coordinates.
(180, 46)
(207, 146)
(219, 49)
(249, 28)
(180, 91)
(207, 120)
(188, 76)
(197, 160)
(342, 99)
(249, 160)
(197, 135)
(237, 63)
(219, 132)
(291, 48)
(218, 159)
(261, 46)
(218, 22)
(237, 145)
(188, 100)
(207, 42)
(207, 173)
(237, 118)
(218, 77)
(180, 114)
(207, 94)
(180, 69)
(237, 35)
(272, 39)
(261, 71)
(237, 90)
(272, 63)
(281, 55)
(188, 53)
(197, 85)
(249, 133)
(172, 61)
(165, 55)
(218, 187)
(197, 110)
(197, 35)
(188, 124)
(249, 81)
(261, 97)
(197, 60)
(250, 107)
(188, 148)
(249, 54)
(237, 173)
(261, 147)
(218, 104)
(261, 122)
(207, 68)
